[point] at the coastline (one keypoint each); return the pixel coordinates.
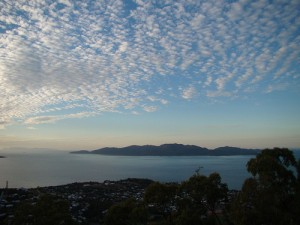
(83, 197)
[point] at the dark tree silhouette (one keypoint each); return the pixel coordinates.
(271, 195)
(161, 198)
(203, 195)
(129, 212)
(48, 210)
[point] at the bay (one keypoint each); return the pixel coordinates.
(52, 168)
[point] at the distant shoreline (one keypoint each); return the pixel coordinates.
(170, 150)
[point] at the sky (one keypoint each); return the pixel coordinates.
(89, 74)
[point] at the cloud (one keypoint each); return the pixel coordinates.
(164, 101)
(189, 92)
(277, 87)
(213, 94)
(53, 119)
(43, 119)
(92, 56)
(31, 128)
(3, 124)
(243, 78)
(123, 46)
(236, 9)
(150, 108)
(208, 81)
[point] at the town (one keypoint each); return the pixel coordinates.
(88, 201)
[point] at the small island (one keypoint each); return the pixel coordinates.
(170, 150)
(2, 157)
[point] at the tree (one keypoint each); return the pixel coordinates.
(48, 210)
(128, 212)
(203, 195)
(194, 202)
(270, 195)
(161, 197)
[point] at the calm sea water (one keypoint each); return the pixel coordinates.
(56, 168)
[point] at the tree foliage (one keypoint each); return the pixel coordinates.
(271, 195)
(203, 195)
(194, 202)
(129, 212)
(48, 210)
(161, 197)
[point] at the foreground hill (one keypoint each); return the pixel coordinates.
(170, 150)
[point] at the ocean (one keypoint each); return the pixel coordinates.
(51, 168)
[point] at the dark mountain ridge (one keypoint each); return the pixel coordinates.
(170, 150)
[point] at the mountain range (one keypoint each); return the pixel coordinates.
(170, 150)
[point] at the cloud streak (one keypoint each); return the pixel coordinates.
(108, 56)
(53, 119)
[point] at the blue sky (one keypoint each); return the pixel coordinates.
(88, 74)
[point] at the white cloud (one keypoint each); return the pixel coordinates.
(235, 11)
(196, 22)
(219, 93)
(123, 46)
(150, 108)
(4, 123)
(135, 113)
(277, 87)
(31, 128)
(93, 56)
(42, 119)
(242, 79)
(189, 92)
(208, 81)
(55, 118)
(164, 101)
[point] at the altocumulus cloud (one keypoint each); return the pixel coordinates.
(88, 57)
(189, 92)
